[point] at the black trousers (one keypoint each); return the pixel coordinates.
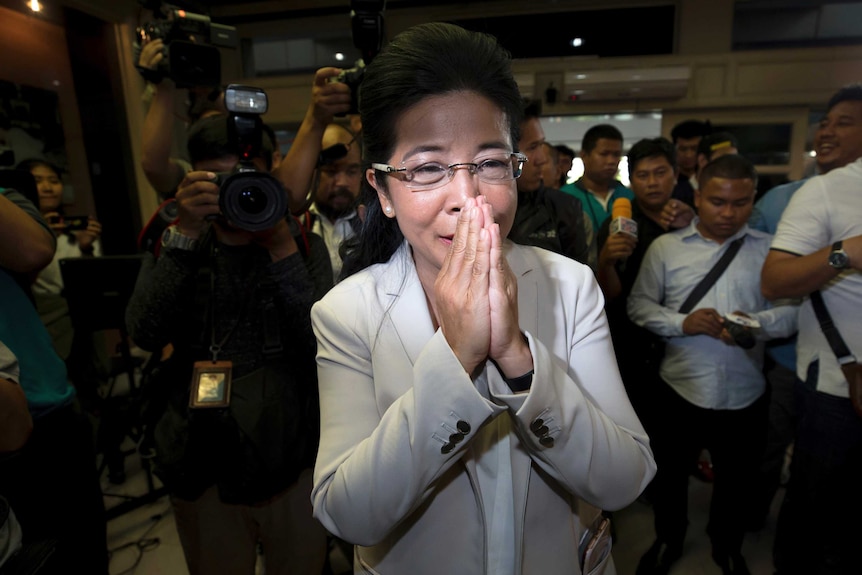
(735, 440)
(819, 531)
(52, 486)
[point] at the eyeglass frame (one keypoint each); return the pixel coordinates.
(473, 167)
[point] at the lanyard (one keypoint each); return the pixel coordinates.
(215, 346)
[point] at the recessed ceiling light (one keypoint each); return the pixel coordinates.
(339, 56)
(577, 42)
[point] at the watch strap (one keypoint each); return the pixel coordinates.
(174, 239)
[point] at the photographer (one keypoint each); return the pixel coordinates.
(296, 172)
(235, 302)
(164, 171)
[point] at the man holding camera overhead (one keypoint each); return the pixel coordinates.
(231, 291)
(692, 285)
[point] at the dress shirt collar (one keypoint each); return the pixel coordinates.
(692, 231)
(313, 209)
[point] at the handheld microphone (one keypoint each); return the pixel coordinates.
(621, 218)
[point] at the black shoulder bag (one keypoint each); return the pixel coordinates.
(849, 366)
(700, 290)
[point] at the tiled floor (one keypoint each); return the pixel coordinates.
(147, 535)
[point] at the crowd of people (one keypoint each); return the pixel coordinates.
(447, 357)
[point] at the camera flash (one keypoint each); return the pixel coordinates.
(245, 100)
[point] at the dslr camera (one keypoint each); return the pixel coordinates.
(249, 199)
(366, 23)
(192, 42)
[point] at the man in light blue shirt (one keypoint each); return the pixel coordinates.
(714, 392)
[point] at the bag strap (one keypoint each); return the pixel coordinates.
(836, 342)
(700, 289)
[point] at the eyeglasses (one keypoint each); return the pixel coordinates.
(421, 174)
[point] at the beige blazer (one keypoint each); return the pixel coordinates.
(392, 395)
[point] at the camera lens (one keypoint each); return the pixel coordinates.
(252, 200)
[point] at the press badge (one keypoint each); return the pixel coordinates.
(210, 385)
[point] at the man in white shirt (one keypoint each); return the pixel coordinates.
(818, 246)
(713, 395)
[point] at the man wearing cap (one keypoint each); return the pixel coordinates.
(686, 137)
(714, 146)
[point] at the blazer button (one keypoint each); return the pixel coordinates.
(536, 424)
(547, 441)
(447, 448)
(456, 438)
(463, 427)
(542, 431)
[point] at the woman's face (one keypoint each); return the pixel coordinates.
(452, 128)
(50, 188)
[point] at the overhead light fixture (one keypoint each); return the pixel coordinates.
(34, 5)
(581, 77)
(577, 42)
(339, 56)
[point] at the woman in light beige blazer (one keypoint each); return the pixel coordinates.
(470, 400)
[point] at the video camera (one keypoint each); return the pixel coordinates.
(192, 42)
(366, 21)
(248, 198)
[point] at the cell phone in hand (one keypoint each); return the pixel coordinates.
(76, 223)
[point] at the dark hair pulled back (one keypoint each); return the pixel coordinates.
(424, 61)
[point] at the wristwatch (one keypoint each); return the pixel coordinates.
(838, 258)
(173, 239)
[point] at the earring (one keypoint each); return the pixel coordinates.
(388, 209)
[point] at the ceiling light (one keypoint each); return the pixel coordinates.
(339, 56)
(34, 5)
(577, 42)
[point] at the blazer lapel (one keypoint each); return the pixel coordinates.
(528, 290)
(409, 312)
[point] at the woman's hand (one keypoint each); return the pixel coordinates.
(508, 346)
(86, 238)
(462, 305)
(55, 221)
